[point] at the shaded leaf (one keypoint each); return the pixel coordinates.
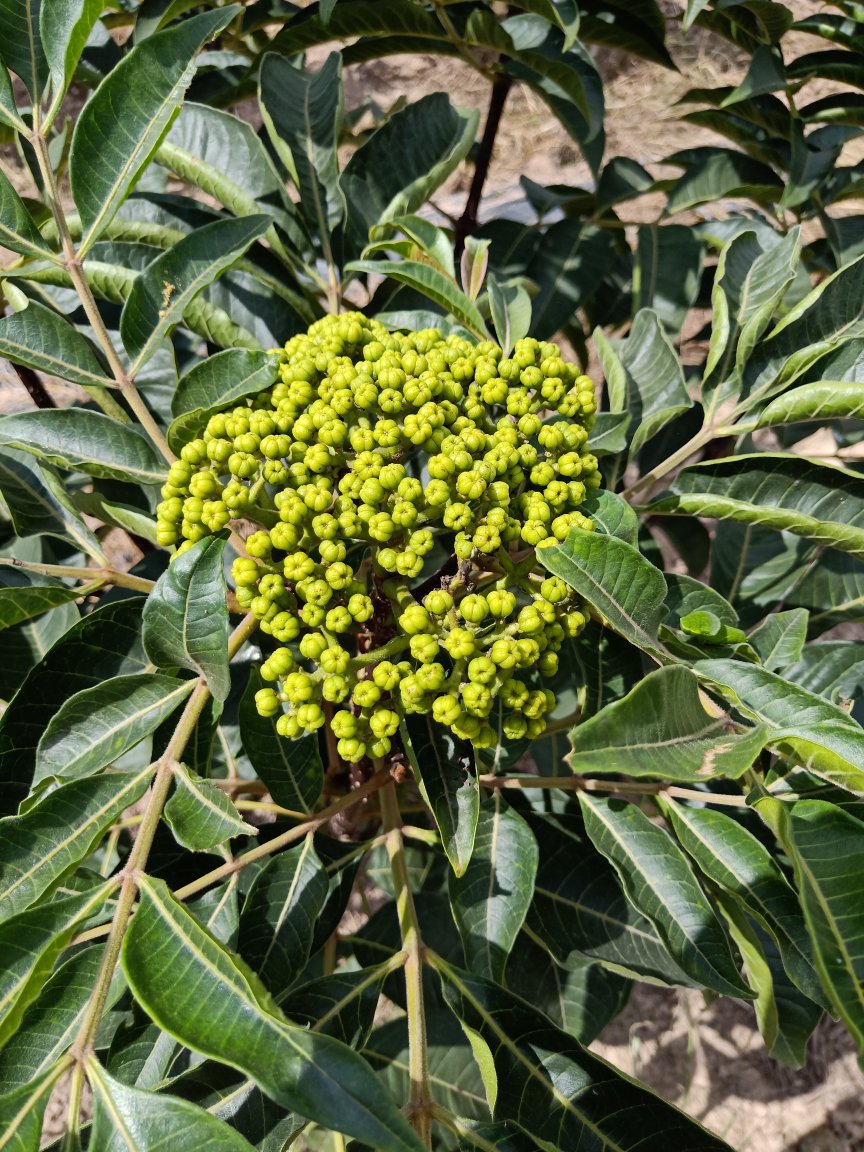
(201, 816)
(27, 600)
(214, 383)
(17, 230)
(22, 44)
(65, 27)
(430, 282)
(667, 272)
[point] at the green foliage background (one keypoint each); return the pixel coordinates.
(694, 816)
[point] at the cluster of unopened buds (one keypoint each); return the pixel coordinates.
(401, 484)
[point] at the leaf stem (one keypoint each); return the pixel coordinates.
(671, 463)
(580, 784)
(467, 223)
(75, 268)
(419, 1105)
(106, 575)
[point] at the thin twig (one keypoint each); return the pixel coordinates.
(467, 223)
(580, 784)
(35, 388)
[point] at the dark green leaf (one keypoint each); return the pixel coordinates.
(223, 1012)
(609, 434)
(128, 115)
(616, 580)
(95, 727)
(277, 924)
(201, 816)
(78, 439)
(444, 768)
(128, 1120)
(163, 291)
(660, 883)
(662, 730)
(834, 669)
(65, 27)
(491, 897)
(430, 282)
(291, 769)
(214, 383)
(28, 600)
(17, 230)
(40, 848)
(186, 617)
(510, 306)
(22, 45)
(784, 492)
(612, 514)
(22, 1113)
(341, 1005)
(667, 272)
(564, 268)
(779, 639)
(41, 339)
(716, 173)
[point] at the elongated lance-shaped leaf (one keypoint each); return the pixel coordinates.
(616, 580)
(510, 306)
(41, 339)
(30, 943)
(128, 1120)
(491, 897)
(22, 1112)
(820, 736)
(65, 27)
(22, 44)
(277, 924)
(129, 113)
(216, 383)
(85, 441)
(553, 1088)
(661, 729)
(788, 493)
(163, 291)
(660, 883)
(429, 282)
(27, 600)
(342, 1004)
(51, 1024)
(444, 767)
(39, 504)
(667, 272)
(780, 637)
(200, 815)
(104, 644)
(827, 849)
(822, 400)
(303, 115)
(291, 769)
(95, 727)
(733, 858)
(580, 914)
(41, 847)
(832, 668)
(17, 230)
(220, 1009)
(186, 617)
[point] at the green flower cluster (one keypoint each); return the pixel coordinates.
(376, 458)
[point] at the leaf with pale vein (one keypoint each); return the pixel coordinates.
(200, 815)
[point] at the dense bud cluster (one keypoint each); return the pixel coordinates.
(376, 458)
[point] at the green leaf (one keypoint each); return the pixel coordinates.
(644, 376)
(616, 580)
(667, 273)
(660, 883)
(552, 1087)
(661, 730)
(39, 504)
(128, 1120)
(22, 46)
(510, 306)
(28, 600)
(612, 515)
(223, 1012)
(22, 1113)
(65, 27)
(186, 616)
(824, 400)
(40, 848)
(163, 291)
(827, 849)
(431, 283)
(200, 815)
(303, 115)
(430, 137)
(95, 727)
(17, 230)
(342, 1004)
(419, 233)
(717, 173)
(129, 113)
(779, 639)
(214, 383)
(609, 434)
(444, 768)
(580, 914)
(807, 729)
(291, 769)
(833, 669)
(564, 268)
(81, 440)
(784, 492)
(277, 923)
(40, 339)
(30, 944)
(51, 1024)
(493, 894)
